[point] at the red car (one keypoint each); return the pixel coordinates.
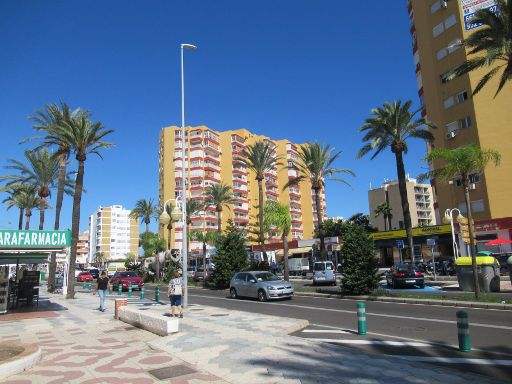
(126, 279)
(84, 276)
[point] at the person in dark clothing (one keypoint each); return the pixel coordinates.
(102, 286)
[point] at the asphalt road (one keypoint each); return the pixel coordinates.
(409, 331)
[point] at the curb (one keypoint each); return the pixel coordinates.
(21, 362)
(447, 303)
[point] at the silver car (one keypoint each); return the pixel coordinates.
(261, 285)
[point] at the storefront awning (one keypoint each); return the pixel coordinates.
(293, 251)
(23, 258)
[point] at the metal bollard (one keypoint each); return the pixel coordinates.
(463, 331)
(142, 293)
(361, 319)
(119, 289)
(157, 294)
(130, 291)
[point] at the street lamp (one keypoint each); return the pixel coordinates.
(184, 242)
(448, 218)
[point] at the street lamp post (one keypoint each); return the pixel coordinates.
(184, 243)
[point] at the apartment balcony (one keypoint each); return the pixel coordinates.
(214, 178)
(295, 210)
(271, 173)
(299, 221)
(241, 210)
(241, 220)
(294, 193)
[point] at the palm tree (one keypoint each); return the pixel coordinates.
(16, 197)
(194, 208)
(278, 216)
(144, 210)
(315, 163)
(29, 202)
(83, 137)
(219, 196)
(490, 46)
(207, 237)
(390, 126)
(46, 122)
(463, 162)
(42, 172)
(384, 209)
(260, 158)
(169, 208)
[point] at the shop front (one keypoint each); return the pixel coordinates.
(23, 257)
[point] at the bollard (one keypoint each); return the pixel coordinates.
(361, 319)
(142, 293)
(119, 289)
(85, 284)
(89, 286)
(130, 290)
(157, 294)
(463, 331)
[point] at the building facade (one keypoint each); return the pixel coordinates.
(82, 252)
(437, 28)
(213, 158)
(421, 205)
(112, 233)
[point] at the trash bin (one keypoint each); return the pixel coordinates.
(488, 271)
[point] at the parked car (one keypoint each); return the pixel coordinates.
(126, 279)
(405, 275)
(95, 272)
(201, 275)
(261, 285)
(84, 276)
(324, 273)
(191, 272)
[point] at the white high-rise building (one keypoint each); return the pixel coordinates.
(113, 233)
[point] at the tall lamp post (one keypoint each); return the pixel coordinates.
(184, 243)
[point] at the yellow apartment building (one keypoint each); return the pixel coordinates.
(437, 27)
(113, 232)
(212, 158)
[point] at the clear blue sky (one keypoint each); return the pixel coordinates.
(295, 69)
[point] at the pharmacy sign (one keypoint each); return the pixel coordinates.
(10, 239)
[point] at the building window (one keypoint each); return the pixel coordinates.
(465, 122)
(449, 102)
(454, 45)
(435, 7)
(444, 78)
(438, 29)
(441, 54)
(462, 96)
(450, 22)
(453, 126)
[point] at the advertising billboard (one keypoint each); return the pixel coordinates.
(471, 7)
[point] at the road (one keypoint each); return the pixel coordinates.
(409, 331)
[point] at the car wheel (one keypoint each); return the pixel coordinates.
(422, 286)
(261, 295)
(233, 294)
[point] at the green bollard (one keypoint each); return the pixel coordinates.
(142, 293)
(119, 289)
(463, 331)
(361, 319)
(89, 287)
(157, 294)
(130, 291)
(85, 284)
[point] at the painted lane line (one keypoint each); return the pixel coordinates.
(373, 342)
(336, 331)
(453, 360)
(367, 313)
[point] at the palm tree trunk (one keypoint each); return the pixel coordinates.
(58, 207)
(260, 221)
(27, 221)
(169, 229)
(204, 257)
(402, 187)
(389, 222)
(471, 241)
(75, 226)
(20, 221)
(219, 221)
(285, 253)
(147, 226)
(318, 204)
(42, 205)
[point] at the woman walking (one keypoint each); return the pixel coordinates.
(101, 288)
(175, 292)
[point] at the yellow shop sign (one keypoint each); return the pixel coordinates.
(419, 231)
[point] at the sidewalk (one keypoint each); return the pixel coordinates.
(83, 345)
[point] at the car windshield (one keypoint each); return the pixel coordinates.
(319, 266)
(128, 274)
(404, 268)
(266, 276)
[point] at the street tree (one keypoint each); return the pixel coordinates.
(18, 197)
(315, 162)
(391, 126)
(489, 46)
(220, 196)
(278, 217)
(463, 162)
(145, 210)
(384, 209)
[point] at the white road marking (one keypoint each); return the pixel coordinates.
(336, 331)
(373, 342)
(368, 313)
(453, 360)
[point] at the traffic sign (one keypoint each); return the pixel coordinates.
(431, 242)
(399, 244)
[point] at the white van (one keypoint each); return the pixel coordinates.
(324, 272)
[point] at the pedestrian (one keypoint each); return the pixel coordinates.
(175, 292)
(101, 287)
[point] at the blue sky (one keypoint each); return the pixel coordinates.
(295, 69)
